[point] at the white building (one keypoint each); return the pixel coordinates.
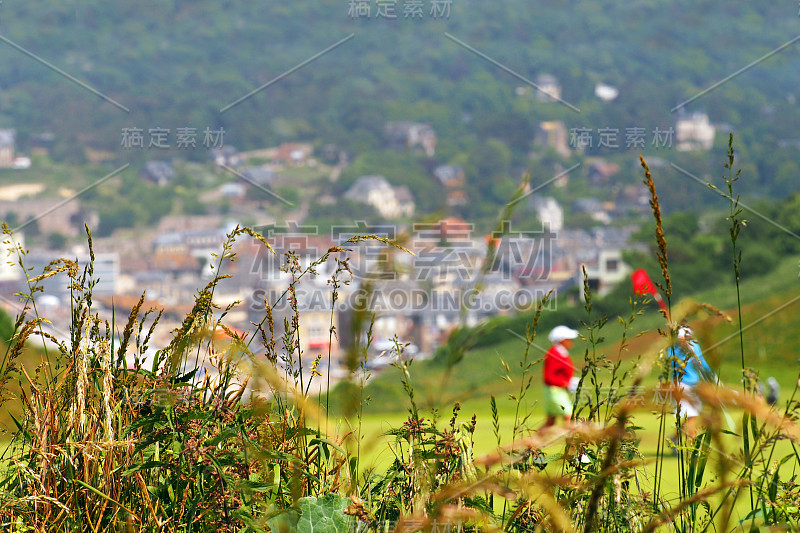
(606, 93)
(390, 202)
(549, 88)
(694, 132)
(414, 136)
(605, 271)
(106, 272)
(22, 163)
(550, 212)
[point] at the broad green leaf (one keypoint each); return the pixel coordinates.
(324, 515)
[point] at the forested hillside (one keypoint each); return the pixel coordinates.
(176, 64)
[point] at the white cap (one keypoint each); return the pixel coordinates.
(561, 333)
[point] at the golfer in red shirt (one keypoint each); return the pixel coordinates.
(558, 371)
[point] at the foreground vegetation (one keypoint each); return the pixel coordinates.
(105, 444)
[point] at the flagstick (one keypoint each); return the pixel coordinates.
(660, 301)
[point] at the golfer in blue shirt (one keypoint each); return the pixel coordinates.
(690, 368)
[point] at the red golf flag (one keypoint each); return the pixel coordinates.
(642, 284)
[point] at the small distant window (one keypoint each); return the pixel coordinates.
(612, 265)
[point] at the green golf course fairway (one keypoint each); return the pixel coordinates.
(377, 447)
